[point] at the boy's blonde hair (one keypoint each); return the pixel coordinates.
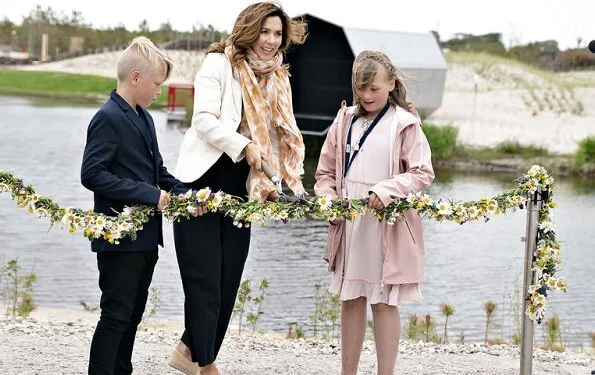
(365, 68)
(144, 56)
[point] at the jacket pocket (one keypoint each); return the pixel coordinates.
(410, 232)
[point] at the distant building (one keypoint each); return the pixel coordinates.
(321, 69)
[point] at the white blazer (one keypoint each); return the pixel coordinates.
(215, 121)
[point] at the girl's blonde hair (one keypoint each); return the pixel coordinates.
(144, 56)
(365, 68)
(246, 30)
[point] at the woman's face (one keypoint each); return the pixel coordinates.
(271, 35)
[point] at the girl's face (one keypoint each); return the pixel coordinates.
(373, 96)
(271, 35)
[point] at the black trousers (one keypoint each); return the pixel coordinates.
(124, 279)
(211, 255)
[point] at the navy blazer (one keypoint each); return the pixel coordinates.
(122, 166)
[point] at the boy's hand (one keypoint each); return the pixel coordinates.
(374, 201)
(164, 199)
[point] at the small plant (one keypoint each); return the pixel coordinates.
(553, 335)
(461, 338)
(243, 301)
(254, 316)
(88, 308)
(154, 299)
(412, 329)
(447, 311)
(17, 289)
(490, 308)
(295, 331)
(515, 303)
(327, 313)
(428, 329)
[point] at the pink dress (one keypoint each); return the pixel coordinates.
(359, 259)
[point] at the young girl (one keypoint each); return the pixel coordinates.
(375, 149)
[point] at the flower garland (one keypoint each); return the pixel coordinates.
(127, 223)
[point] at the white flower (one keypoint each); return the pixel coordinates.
(444, 208)
(426, 200)
(325, 202)
(545, 226)
(473, 212)
(460, 210)
(191, 209)
(203, 194)
(411, 198)
(187, 195)
(217, 199)
(534, 170)
(538, 299)
(283, 215)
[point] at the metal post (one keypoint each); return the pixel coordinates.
(533, 208)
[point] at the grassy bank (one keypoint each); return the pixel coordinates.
(75, 87)
(507, 156)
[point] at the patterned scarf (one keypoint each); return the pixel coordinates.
(267, 109)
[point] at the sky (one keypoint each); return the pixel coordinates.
(519, 21)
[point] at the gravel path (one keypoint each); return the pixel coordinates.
(58, 344)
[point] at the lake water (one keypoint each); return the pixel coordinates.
(466, 265)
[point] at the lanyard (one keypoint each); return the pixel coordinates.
(348, 149)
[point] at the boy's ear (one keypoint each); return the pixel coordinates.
(134, 76)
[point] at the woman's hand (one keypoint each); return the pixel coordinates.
(253, 156)
(374, 201)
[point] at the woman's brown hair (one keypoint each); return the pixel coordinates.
(248, 25)
(365, 68)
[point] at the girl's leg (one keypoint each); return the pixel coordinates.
(387, 332)
(353, 332)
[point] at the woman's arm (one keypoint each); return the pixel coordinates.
(208, 98)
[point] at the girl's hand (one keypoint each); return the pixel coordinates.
(374, 201)
(335, 222)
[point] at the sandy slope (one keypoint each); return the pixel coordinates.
(513, 102)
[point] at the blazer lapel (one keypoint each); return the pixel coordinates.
(134, 119)
(142, 128)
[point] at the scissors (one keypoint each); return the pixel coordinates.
(270, 173)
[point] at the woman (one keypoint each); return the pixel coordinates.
(242, 116)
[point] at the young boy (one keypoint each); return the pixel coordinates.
(123, 167)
